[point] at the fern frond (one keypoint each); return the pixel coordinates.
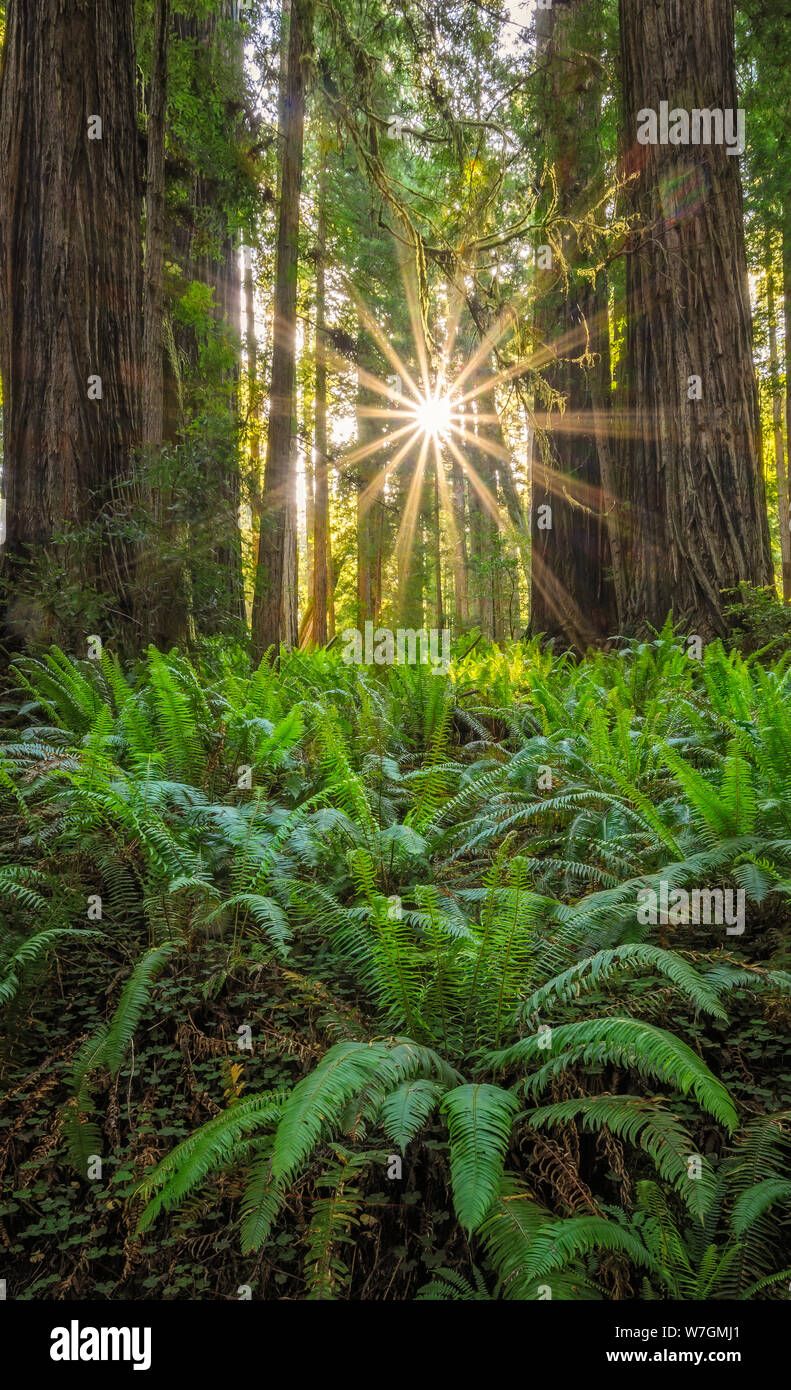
(632, 1043)
(480, 1118)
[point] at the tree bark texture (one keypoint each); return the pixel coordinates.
(695, 508)
(572, 598)
(321, 500)
(70, 281)
(267, 605)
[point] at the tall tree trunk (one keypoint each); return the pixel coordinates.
(289, 605)
(308, 406)
(253, 402)
(205, 251)
(787, 318)
(321, 520)
(413, 504)
(70, 280)
(571, 597)
(272, 558)
(515, 548)
(333, 575)
(164, 584)
(696, 506)
(251, 345)
(476, 560)
(460, 561)
(437, 521)
(486, 546)
(153, 395)
(228, 551)
(485, 537)
(367, 471)
(777, 422)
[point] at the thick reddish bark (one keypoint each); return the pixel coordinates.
(695, 515)
(70, 275)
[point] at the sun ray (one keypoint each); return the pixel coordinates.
(342, 366)
(456, 301)
(406, 531)
(479, 441)
(443, 417)
(365, 451)
(392, 465)
(560, 349)
(386, 347)
(445, 498)
(565, 609)
(375, 412)
(482, 491)
(417, 324)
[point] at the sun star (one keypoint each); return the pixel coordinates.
(433, 416)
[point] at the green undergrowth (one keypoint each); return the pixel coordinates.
(333, 982)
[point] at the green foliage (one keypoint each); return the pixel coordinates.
(479, 1126)
(436, 952)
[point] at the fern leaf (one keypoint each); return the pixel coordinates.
(479, 1119)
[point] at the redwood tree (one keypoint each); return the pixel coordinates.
(695, 513)
(70, 279)
(321, 514)
(572, 595)
(278, 475)
(209, 59)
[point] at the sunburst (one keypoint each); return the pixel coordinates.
(434, 415)
(443, 415)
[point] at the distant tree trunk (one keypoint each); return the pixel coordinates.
(206, 252)
(251, 344)
(413, 503)
(485, 538)
(155, 231)
(321, 495)
(515, 549)
(475, 514)
(228, 551)
(272, 560)
(308, 406)
(253, 402)
(571, 596)
(437, 520)
(369, 490)
(777, 423)
(606, 445)
(460, 561)
(696, 506)
(164, 581)
(333, 575)
(70, 281)
(787, 318)
(289, 607)
(224, 524)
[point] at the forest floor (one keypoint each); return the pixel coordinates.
(279, 947)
